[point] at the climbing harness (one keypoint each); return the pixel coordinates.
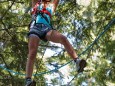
(37, 11)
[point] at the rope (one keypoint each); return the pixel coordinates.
(71, 80)
(51, 71)
(112, 22)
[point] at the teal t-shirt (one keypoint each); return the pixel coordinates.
(40, 19)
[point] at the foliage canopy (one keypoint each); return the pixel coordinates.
(81, 24)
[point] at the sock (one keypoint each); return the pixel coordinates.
(77, 59)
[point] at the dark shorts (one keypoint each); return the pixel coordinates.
(39, 29)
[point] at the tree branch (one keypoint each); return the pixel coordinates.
(8, 9)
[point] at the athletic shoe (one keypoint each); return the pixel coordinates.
(29, 82)
(80, 64)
